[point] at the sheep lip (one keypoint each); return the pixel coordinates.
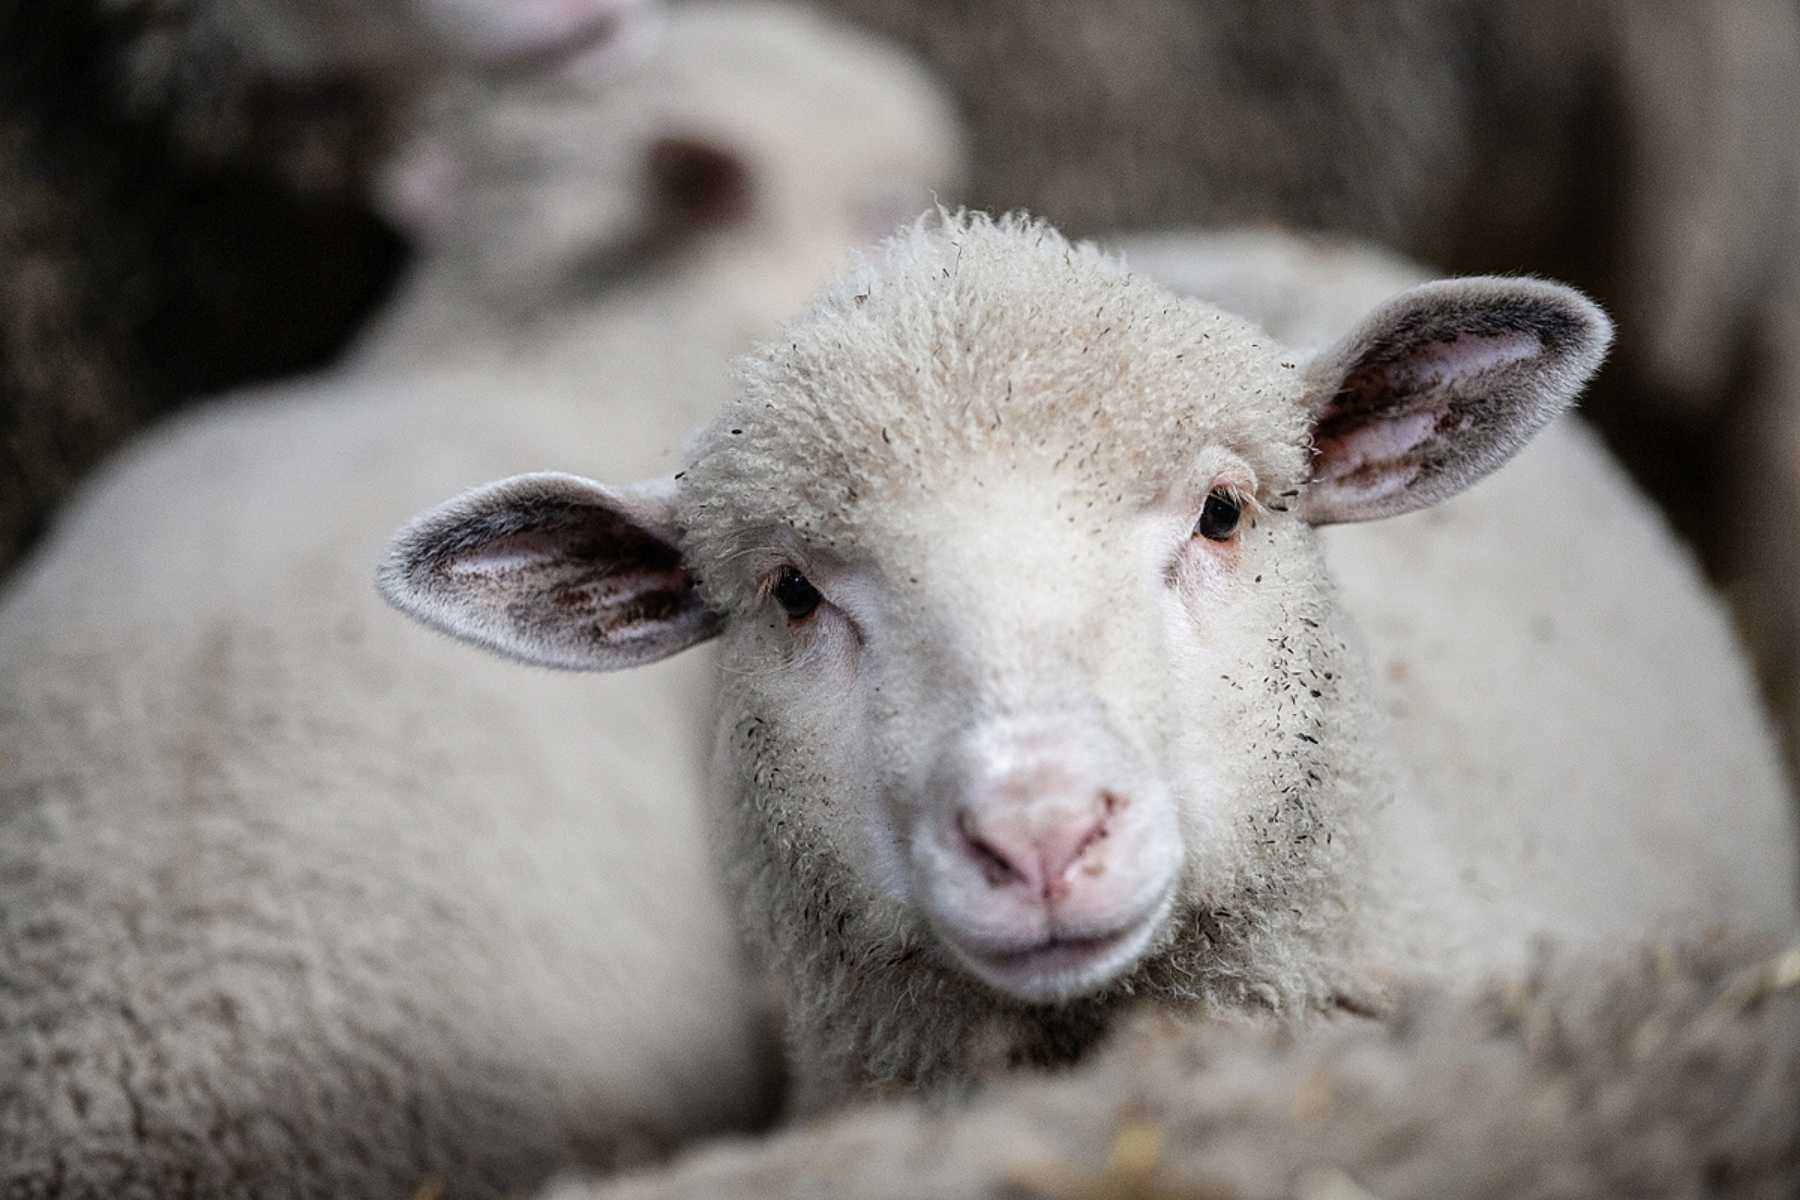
(1062, 966)
(1056, 950)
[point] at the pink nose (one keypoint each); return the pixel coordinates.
(1042, 855)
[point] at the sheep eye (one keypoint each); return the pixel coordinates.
(796, 595)
(1219, 519)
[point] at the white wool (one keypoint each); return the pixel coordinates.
(301, 900)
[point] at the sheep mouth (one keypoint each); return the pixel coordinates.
(1059, 952)
(1063, 965)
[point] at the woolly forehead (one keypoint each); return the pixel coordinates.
(975, 350)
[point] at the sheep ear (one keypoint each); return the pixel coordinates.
(1440, 386)
(554, 570)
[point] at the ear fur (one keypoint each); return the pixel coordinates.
(551, 569)
(1441, 385)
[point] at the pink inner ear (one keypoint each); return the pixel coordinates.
(1464, 355)
(1366, 439)
(504, 555)
(617, 578)
(1374, 447)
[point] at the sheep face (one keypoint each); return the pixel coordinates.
(1026, 637)
(984, 684)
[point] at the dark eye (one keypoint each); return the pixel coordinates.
(1219, 519)
(795, 594)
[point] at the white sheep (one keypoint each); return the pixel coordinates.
(290, 907)
(1662, 1075)
(1041, 687)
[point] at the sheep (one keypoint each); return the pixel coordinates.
(291, 909)
(1657, 1074)
(181, 195)
(957, 803)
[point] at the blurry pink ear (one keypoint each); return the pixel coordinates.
(418, 190)
(1440, 386)
(698, 181)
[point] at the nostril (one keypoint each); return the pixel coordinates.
(1064, 847)
(1086, 842)
(995, 865)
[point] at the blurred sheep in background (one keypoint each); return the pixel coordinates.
(294, 907)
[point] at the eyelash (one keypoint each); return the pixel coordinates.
(794, 593)
(1224, 504)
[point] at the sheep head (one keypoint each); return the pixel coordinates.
(1029, 656)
